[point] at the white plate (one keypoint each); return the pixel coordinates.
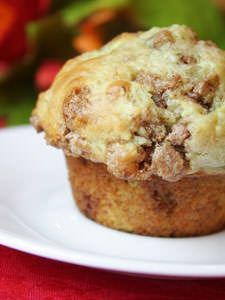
(38, 216)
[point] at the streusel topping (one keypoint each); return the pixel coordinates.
(147, 103)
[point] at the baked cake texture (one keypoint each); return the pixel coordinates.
(194, 205)
(146, 107)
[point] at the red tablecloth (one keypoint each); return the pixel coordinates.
(24, 276)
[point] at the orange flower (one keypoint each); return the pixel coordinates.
(87, 42)
(7, 16)
(90, 37)
(14, 15)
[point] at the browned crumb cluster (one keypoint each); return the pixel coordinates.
(204, 91)
(74, 107)
(161, 38)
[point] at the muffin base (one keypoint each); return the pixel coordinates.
(192, 206)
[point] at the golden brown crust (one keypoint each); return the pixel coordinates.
(127, 104)
(192, 206)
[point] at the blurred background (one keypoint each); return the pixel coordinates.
(38, 36)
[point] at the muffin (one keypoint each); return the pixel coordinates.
(142, 125)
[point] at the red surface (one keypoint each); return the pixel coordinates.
(24, 276)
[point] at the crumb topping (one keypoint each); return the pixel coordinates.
(146, 104)
(204, 91)
(162, 37)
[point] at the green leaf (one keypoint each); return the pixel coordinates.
(201, 15)
(50, 37)
(16, 103)
(78, 10)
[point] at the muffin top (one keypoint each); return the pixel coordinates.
(147, 103)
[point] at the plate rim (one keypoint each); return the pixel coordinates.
(110, 263)
(106, 262)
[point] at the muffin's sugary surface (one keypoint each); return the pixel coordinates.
(149, 103)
